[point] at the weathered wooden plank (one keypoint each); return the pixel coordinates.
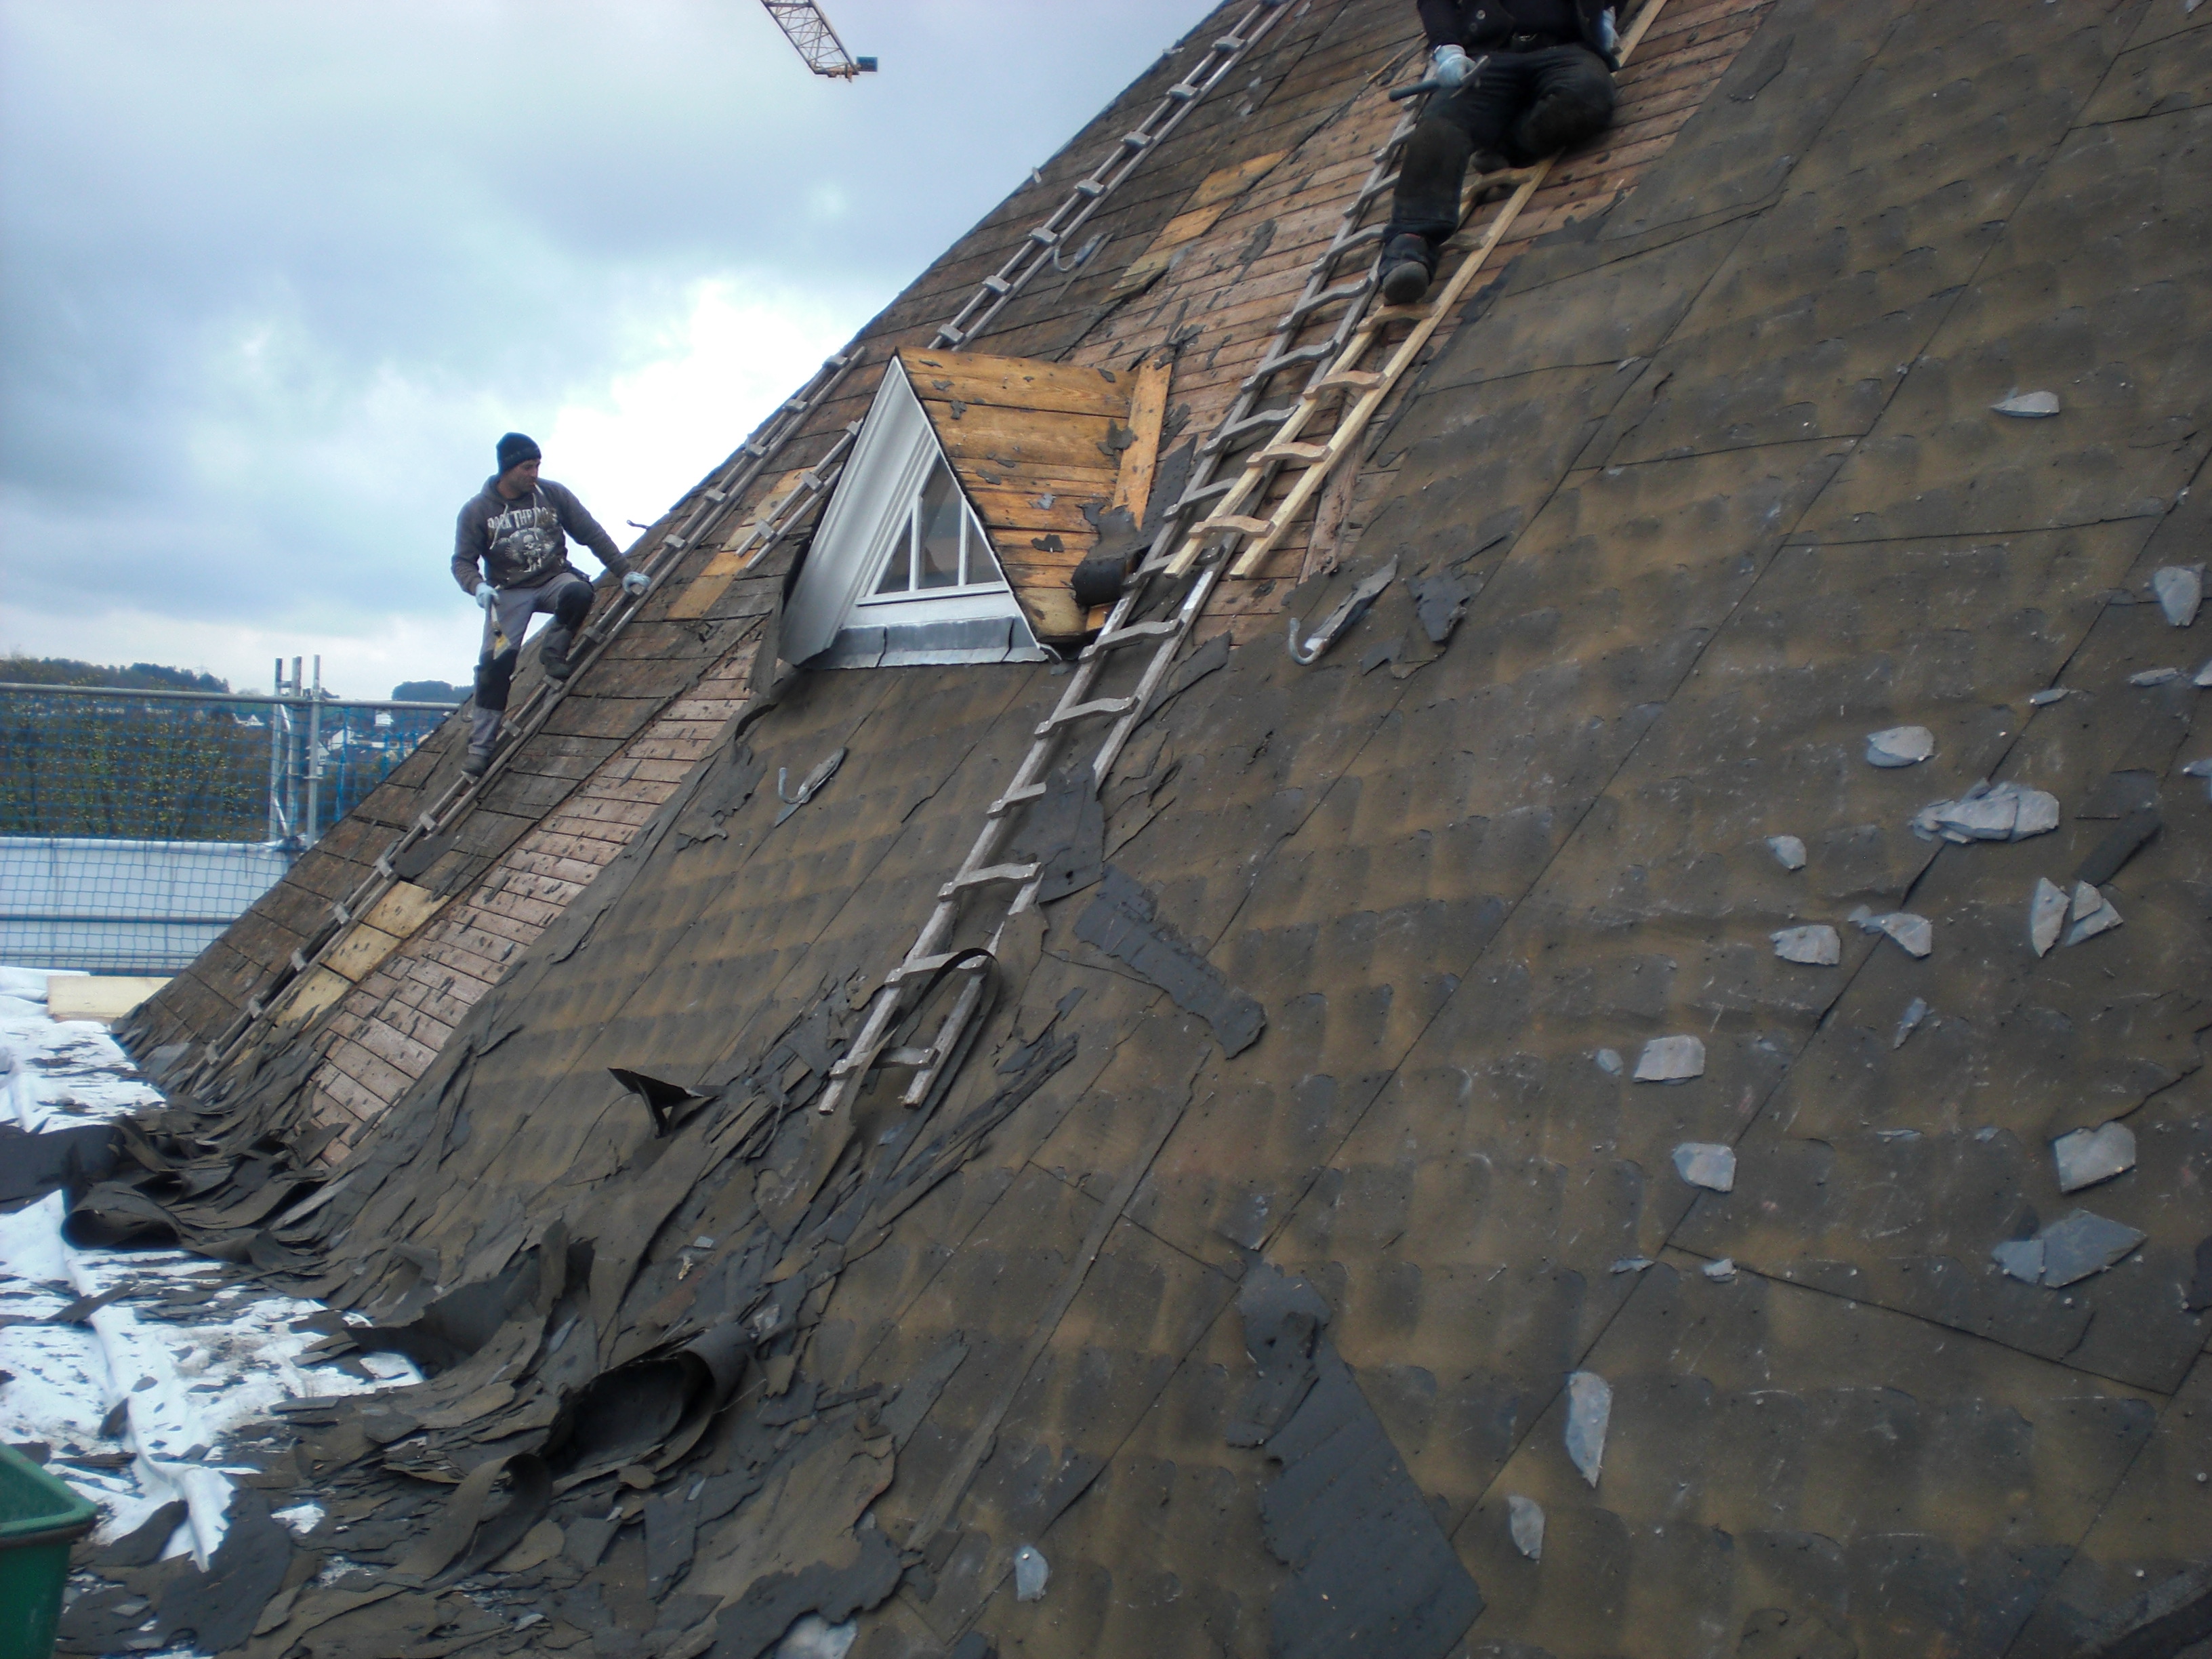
(1148, 409)
(1021, 384)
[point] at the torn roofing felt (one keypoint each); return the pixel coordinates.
(1702, 539)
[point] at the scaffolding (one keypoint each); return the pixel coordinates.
(135, 825)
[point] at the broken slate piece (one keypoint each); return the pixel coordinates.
(2029, 405)
(2154, 677)
(1671, 1060)
(1524, 1520)
(1719, 1271)
(2180, 590)
(1899, 746)
(1816, 946)
(1909, 1021)
(2039, 814)
(2087, 1157)
(1632, 1264)
(1915, 934)
(1788, 850)
(2022, 1258)
(2044, 699)
(1706, 1164)
(2203, 675)
(2046, 915)
(1608, 1061)
(2005, 811)
(2083, 1245)
(1589, 1409)
(2092, 913)
(1032, 1572)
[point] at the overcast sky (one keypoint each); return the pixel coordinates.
(275, 274)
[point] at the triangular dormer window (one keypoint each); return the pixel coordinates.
(902, 570)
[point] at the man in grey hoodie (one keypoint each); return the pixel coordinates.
(518, 527)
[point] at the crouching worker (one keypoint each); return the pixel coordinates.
(1519, 79)
(519, 526)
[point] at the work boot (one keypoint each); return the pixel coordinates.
(554, 653)
(478, 763)
(1407, 263)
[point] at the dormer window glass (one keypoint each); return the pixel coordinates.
(938, 549)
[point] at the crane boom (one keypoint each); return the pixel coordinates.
(817, 43)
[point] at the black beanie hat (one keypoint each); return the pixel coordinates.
(515, 449)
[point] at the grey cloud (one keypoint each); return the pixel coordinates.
(273, 275)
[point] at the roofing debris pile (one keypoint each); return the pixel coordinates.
(1680, 1107)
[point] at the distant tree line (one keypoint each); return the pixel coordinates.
(427, 691)
(139, 677)
(116, 768)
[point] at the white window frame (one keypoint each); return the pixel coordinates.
(916, 604)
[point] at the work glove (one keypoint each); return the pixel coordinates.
(1608, 33)
(1451, 67)
(635, 583)
(486, 595)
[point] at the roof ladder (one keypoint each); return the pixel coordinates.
(1354, 357)
(1338, 373)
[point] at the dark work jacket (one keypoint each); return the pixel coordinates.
(1490, 24)
(525, 543)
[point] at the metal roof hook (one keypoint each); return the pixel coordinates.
(1340, 620)
(814, 780)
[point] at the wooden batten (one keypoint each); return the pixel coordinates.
(1033, 444)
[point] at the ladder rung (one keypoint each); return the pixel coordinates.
(1085, 711)
(1129, 636)
(1241, 526)
(1398, 313)
(1014, 797)
(919, 968)
(1198, 493)
(1307, 452)
(1350, 380)
(988, 877)
(1328, 297)
(1276, 364)
(906, 1059)
(1236, 429)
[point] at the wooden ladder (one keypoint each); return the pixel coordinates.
(1355, 360)
(1332, 327)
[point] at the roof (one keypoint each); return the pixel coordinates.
(1294, 1225)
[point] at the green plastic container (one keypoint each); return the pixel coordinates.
(39, 1519)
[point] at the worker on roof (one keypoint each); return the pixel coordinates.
(518, 527)
(1517, 80)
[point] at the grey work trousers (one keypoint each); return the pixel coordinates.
(566, 596)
